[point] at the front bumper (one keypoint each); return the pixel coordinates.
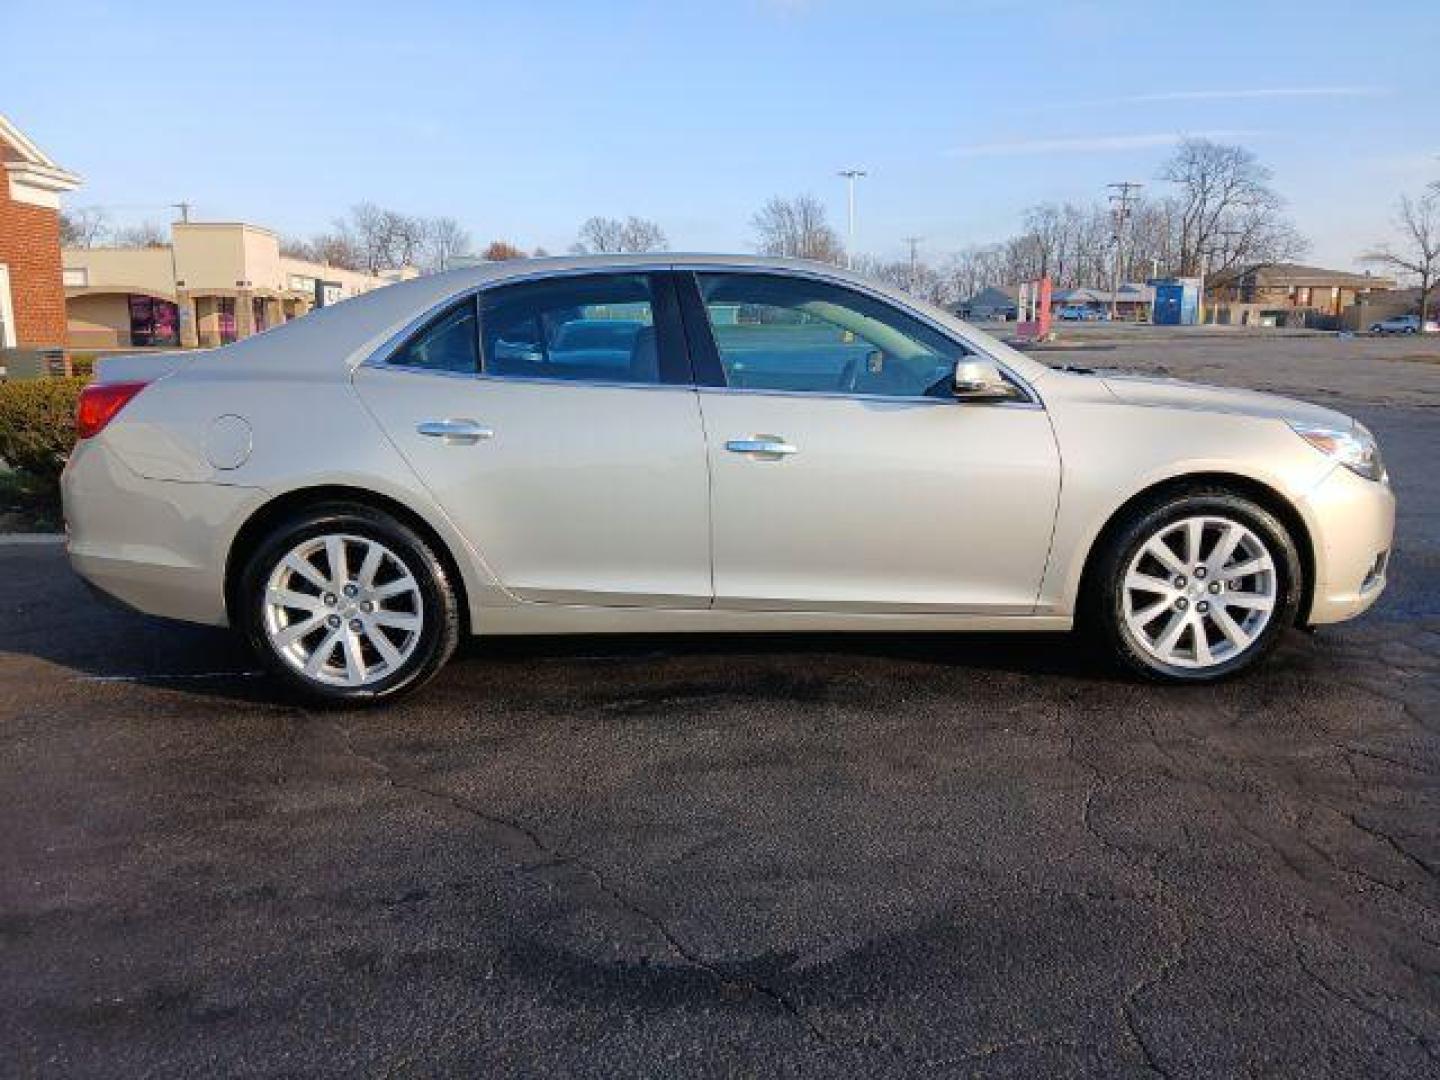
(157, 546)
(1352, 526)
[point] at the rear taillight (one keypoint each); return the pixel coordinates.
(99, 402)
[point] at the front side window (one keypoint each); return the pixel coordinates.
(794, 334)
(587, 328)
(448, 343)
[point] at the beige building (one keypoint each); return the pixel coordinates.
(214, 283)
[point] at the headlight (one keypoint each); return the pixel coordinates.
(1355, 448)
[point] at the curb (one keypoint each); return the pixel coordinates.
(19, 539)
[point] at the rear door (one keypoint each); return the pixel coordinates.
(556, 424)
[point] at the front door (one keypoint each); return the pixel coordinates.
(555, 423)
(845, 475)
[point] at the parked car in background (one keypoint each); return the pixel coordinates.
(1404, 324)
(678, 444)
(1078, 313)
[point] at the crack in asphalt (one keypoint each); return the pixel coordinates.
(554, 856)
(1354, 1002)
(1126, 1008)
(1395, 845)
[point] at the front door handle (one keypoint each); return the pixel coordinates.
(455, 432)
(768, 445)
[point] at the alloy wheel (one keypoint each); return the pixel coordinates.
(1200, 591)
(343, 610)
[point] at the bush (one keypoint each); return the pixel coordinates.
(37, 427)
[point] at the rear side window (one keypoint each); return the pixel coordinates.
(588, 328)
(450, 342)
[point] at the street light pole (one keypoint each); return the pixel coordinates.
(851, 175)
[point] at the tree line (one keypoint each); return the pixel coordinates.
(1215, 211)
(1211, 210)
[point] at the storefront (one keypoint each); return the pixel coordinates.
(153, 321)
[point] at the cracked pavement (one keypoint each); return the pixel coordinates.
(813, 855)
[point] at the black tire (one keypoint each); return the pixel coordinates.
(439, 632)
(1102, 608)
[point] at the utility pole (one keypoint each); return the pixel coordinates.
(851, 175)
(1122, 202)
(914, 242)
(184, 208)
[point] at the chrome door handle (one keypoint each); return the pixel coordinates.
(766, 444)
(455, 432)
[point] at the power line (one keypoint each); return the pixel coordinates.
(1123, 197)
(914, 242)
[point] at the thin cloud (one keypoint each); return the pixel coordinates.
(1091, 144)
(1234, 94)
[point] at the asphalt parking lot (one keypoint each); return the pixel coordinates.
(819, 855)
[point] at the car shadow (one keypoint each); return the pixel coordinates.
(62, 623)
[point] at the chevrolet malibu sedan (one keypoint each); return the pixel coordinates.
(685, 444)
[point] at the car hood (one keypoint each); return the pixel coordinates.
(1175, 394)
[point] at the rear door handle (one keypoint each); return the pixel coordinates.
(455, 432)
(770, 445)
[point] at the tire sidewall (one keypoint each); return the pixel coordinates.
(438, 628)
(1277, 539)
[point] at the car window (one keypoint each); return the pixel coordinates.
(795, 334)
(448, 343)
(596, 328)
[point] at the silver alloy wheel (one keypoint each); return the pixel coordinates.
(343, 610)
(1200, 591)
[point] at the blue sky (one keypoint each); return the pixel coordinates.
(522, 119)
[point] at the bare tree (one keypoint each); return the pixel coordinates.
(1418, 254)
(1051, 229)
(84, 227)
(445, 238)
(1225, 204)
(385, 239)
(642, 234)
(599, 235)
(147, 234)
(797, 228)
(602, 235)
(336, 249)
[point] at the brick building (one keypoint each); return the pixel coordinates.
(1290, 294)
(32, 296)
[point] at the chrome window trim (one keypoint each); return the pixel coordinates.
(611, 384)
(840, 395)
(379, 356)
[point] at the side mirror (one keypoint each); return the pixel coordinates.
(980, 380)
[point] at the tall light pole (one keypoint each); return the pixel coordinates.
(851, 175)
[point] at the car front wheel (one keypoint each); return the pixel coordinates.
(1197, 586)
(347, 605)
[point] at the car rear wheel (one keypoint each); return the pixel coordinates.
(1197, 586)
(347, 605)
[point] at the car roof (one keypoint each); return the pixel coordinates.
(353, 329)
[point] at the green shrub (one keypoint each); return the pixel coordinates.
(37, 426)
